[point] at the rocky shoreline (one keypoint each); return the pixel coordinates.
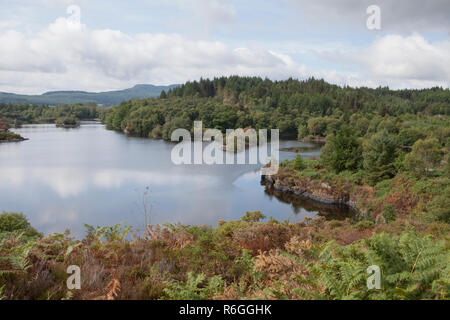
(318, 191)
(8, 136)
(14, 140)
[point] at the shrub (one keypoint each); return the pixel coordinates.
(379, 157)
(302, 132)
(311, 174)
(408, 136)
(363, 225)
(412, 267)
(156, 132)
(383, 188)
(17, 223)
(439, 208)
(389, 213)
(227, 228)
(447, 166)
(193, 288)
(284, 163)
(313, 164)
(424, 158)
(342, 151)
(354, 177)
(261, 236)
(253, 216)
(109, 233)
(299, 163)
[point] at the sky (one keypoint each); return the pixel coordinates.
(100, 45)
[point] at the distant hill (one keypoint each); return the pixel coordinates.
(101, 98)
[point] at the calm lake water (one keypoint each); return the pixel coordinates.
(63, 178)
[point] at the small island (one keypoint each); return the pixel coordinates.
(11, 137)
(67, 122)
(7, 136)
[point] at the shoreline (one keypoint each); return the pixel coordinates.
(315, 194)
(14, 140)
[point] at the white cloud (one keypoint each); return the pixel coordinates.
(413, 57)
(393, 60)
(64, 56)
(70, 182)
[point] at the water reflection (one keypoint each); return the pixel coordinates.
(69, 182)
(300, 204)
(64, 178)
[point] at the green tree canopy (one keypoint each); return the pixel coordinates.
(380, 153)
(342, 151)
(424, 158)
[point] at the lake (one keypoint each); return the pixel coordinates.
(63, 178)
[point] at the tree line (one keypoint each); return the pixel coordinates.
(303, 109)
(17, 114)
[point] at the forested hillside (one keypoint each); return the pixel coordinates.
(73, 97)
(297, 108)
